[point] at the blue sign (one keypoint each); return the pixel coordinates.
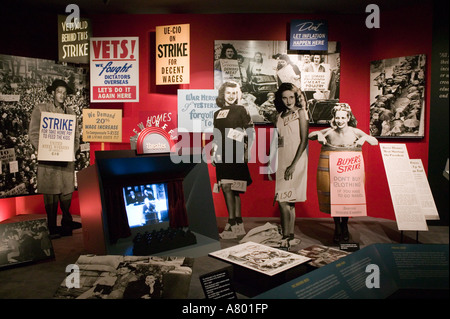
(309, 35)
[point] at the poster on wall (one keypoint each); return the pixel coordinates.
(397, 97)
(73, 40)
(25, 242)
(102, 125)
(347, 194)
(114, 69)
(173, 54)
(309, 35)
(196, 110)
(259, 67)
(23, 84)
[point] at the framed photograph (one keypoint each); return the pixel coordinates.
(261, 66)
(397, 97)
(24, 242)
(261, 258)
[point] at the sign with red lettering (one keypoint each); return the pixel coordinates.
(172, 54)
(347, 194)
(114, 69)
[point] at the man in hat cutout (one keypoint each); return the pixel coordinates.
(55, 180)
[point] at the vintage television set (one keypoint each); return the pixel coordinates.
(113, 195)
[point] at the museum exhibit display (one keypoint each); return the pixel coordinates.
(171, 122)
(165, 209)
(22, 243)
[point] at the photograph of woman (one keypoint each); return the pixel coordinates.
(292, 156)
(233, 137)
(341, 136)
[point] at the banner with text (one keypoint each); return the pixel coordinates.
(102, 125)
(114, 69)
(347, 194)
(57, 137)
(173, 54)
(309, 35)
(73, 40)
(196, 110)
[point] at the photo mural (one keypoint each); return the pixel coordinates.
(23, 85)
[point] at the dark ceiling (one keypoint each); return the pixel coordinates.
(211, 6)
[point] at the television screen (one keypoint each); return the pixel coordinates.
(146, 204)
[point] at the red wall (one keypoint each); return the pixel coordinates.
(400, 35)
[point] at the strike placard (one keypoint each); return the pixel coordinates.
(114, 72)
(173, 54)
(347, 194)
(100, 125)
(73, 40)
(57, 137)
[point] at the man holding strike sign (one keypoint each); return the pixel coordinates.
(53, 132)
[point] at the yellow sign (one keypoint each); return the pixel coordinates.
(172, 54)
(101, 125)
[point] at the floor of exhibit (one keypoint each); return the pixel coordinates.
(40, 280)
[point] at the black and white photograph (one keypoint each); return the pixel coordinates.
(24, 242)
(23, 85)
(261, 258)
(397, 97)
(261, 66)
(128, 277)
(322, 255)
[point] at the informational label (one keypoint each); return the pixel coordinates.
(218, 286)
(443, 75)
(347, 194)
(374, 272)
(196, 110)
(101, 125)
(423, 190)
(402, 186)
(73, 40)
(173, 54)
(57, 137)
(309, 35)
(114, 69)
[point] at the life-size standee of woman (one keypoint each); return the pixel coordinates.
(341, 136)
(233, 136)
(292, 156)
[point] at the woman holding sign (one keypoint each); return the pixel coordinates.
(55, 178)
(292, 155)
(342, 136)
(233, 136)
